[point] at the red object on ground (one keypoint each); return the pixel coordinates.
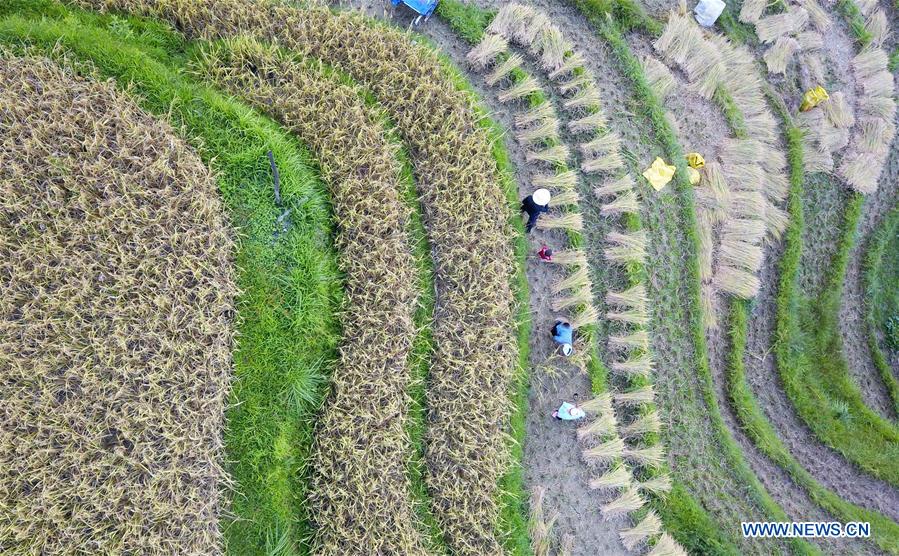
(545, 253)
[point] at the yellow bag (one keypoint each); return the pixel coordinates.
(813, 98)
(659, 174)
(695, 160)
(695, 177)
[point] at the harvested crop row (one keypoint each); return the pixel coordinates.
(360, 497)
(475, 353)
(115, 329)
(737, 205)
(605, 434)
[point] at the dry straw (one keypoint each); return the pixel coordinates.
(595, 121)
(773, 27)
(571, 62)
(626, 202)
(838, 111)
(737, 282)
(546, 130)
(504, 69)
(752, 10)
(879, 84)
(578, 279)
(878, 26)
(486, 51)
(866, 6)
(636, 365)
(552, 155)
(614, 186)
(567, 221)
(708, 298)
(648, 527)
(566, 198)
(539, 526)
(601, 403)
(741, 254)
(586, 97)
(869, 62)
(632, 316)
(645, 424)
(520, 89)
(606, 143)
(576, 82)
(604, 163)
(657, 486)
(586, 316)
(603, 425)
(605, 451)
(819, 16)
(639, 396)
(566, 181)
(859, 172)
(553, 47)
(543, 111)
(810, 41)
(658, 76)
(653, 456)
(638, 340)
(778, 56)
(667, 546)
(629, 501)
(115, 375)
(616, 478)
(569, 258)
(626, 247)
(634, 297)
(510, 20)
(580, 296)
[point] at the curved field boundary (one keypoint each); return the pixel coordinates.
(690, 513)
(360, 498)
(473, 367)
(288, 280)
(117, 333)
(874, 285)
(885, 532)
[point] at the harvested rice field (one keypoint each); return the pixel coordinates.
(544, 277)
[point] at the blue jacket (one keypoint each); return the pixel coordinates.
(563, 333)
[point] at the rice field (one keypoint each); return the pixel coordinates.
(267, 289)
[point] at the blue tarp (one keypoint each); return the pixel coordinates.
(423, 7)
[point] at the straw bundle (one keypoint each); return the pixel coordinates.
(642, 395)
(586, 97)
(595, 121)
(636, 365)
(820, 19)
(658, 76)
(600, 404)
(869, 62)
(565, 198)
(667, 546)
(547, 130)
(504, 69)
(618, 477)
(773, 27)
(519, 89)
(656, 486)
(645, 424)
(838, 111)
(752, 10)
(630, 500)
(632, 316)
(605, 452)
(551, 155)
(486, 51)
(626, 247)
(648, 527)
(580, 296)
(737, 282)
(539, 526)
(638, 340)
(626, 202)
(604, 163)
(586, 316)
(810, 41)
(634, 297)
(553, 46)
(543, 111)
(606, 143)
(778, 56)
(569, 258)
(567, 221)
(614, 186)
(569, 64)
(603, 425)
(576, 82)
(878, 26)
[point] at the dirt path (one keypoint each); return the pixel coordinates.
(852, 307)
(551, 450)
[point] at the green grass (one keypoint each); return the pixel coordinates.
(654, 112)
(881, 267)
(289, 280)
(856, 21)
(809, 356)
(894, 60)
(885, 533)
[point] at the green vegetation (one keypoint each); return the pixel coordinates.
(808, 351)
(884, 531)
(856, 21)
(289, 280)
(627, 15)
(881, 267)
(654, 112)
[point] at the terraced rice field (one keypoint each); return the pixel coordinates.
(266, 288)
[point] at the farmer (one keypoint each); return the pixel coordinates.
(545, 254)
(563, 335)
(535, 204)
(569, 411)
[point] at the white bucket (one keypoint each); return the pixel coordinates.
(707, 12)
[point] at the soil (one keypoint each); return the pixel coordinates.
(551, 451)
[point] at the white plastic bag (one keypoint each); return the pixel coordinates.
(707, 12)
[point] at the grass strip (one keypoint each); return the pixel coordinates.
(885, 532)
(856, 21)
(881, 266)
(810, 359)
(289, 281)
(655, 114)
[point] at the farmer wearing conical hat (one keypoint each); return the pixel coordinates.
(534, 205)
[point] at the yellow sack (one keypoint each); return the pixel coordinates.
(659, 174)
(695, 177)
(813, 98)
(695, 160)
